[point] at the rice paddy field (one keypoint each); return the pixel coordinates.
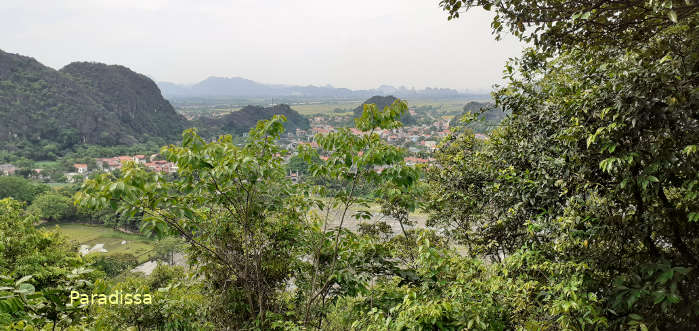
(84, 234)
(311, 108)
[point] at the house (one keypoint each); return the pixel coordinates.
(124, 158)
(140, 159)
(172, 168)
(431, 144)
(415, 160)
(320, 130)
(39, 174)
(7, 169)
(162, 166)
(80, 168)
(72, 176)
(294, 176)
(108, 163)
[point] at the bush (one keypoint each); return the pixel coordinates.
(115, 264)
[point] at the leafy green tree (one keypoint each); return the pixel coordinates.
(550, 24)
(597, 166)
(179, 302)
(20, 188)
(52, 206)
(38, 270)
(167, 247)
(114, 264)
(242, 218)
(448, 291)
(360, 161)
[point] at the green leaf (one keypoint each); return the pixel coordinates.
(665, 276)
(23, 279)
(672, 15)
(635, 317)
(25, 288)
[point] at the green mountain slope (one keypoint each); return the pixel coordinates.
(241, 121)
(381, 103)
(488, 120)
(134, 98)
(42, 109)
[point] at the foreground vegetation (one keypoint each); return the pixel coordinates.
(580, 211)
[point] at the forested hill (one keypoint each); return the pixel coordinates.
(83, 103)
(490, 117)
(381, 103)
(133, 97)
(241, 121)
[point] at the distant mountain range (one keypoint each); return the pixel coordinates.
(236, 87)
(45, 113)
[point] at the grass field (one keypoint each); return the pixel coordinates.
(445, 105)
(45, 164)
(325, 107)
(310, 108)
(83, 234)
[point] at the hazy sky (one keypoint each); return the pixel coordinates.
(355, 44)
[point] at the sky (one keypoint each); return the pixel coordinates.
(356, 44)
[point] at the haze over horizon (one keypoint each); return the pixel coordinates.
(314, 42)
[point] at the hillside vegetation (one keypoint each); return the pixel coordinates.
(44, 112)
(481, 117)
(382, 102)
(240, 121)
(579, 212)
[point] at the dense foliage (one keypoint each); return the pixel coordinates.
(479, 117)
(580, 211)
(382, 102)
(38, 269)
(20, 188)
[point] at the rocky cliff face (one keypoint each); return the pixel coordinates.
(82, 103)
(134, 98)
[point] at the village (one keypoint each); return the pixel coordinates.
(420, 141)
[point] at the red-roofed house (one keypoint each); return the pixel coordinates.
(81, 168)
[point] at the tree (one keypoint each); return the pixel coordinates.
(52, 206)
(166, 248)
(38, 270)
(178, 302)
(342, 263)
(597, 166)
(20, 188)
(552, 24)
(243, 219)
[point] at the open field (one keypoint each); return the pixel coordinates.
(90, 235)
(313, 108)
(443, 105)
(310, 108)
(45, 164)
